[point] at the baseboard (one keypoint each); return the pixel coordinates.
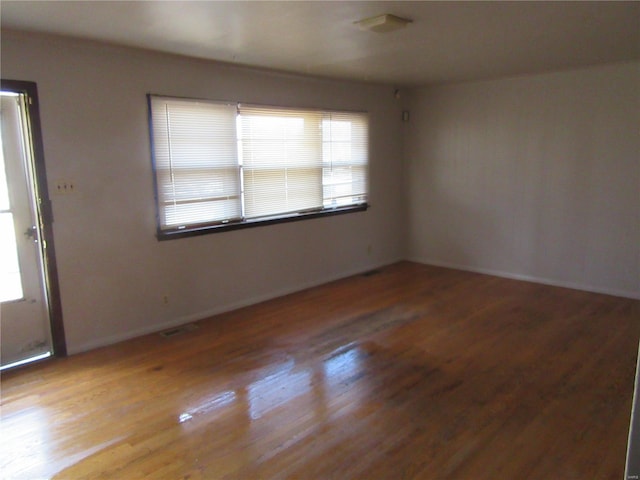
(529, 278)
(158, 327)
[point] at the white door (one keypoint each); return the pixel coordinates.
(25, 327)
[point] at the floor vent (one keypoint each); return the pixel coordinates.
(172, 332)
(371, 273)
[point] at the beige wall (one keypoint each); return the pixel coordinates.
(113, 272)
(532, 177)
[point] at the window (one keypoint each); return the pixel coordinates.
(196, 164)
(221, 165)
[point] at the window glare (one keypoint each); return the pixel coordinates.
(274, 127)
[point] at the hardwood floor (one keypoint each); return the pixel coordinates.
(412, 372)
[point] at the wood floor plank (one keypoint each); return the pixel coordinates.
(411, 372)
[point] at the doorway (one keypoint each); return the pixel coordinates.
(30, 311)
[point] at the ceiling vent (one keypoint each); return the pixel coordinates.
(383, 23)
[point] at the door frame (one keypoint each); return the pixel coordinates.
(44, 212)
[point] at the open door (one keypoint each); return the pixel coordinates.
(30, 313)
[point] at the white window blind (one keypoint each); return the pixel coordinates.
(281, 160)
(196, 162)
(345, 146)
(218, 163)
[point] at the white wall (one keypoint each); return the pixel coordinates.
(531, 177)
(113, 272)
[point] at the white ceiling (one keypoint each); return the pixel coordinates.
(447, 41)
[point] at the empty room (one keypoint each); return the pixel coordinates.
(319, 240)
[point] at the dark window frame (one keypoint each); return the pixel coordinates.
(239, 225)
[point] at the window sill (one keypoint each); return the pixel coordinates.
(225, 227)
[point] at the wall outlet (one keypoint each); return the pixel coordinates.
(64, 187)
(165, 299)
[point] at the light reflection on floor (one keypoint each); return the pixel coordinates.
(276, 390)
(284, 384)
(313, 385)
(208, 405)
(342, 367)
(22, 459)
(35, 460)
